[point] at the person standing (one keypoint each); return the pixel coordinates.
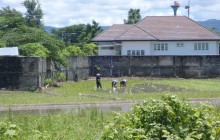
(98, 81)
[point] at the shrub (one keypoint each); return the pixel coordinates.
(165, 119)
(48, 82)
(59, 76)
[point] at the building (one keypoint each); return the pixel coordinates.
(9, 51)
(158, 35)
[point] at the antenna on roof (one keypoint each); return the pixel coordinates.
(175, 7)
(188, 7)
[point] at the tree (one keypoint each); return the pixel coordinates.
(10, 18)
(166, 119)
(34, 13)
(89, 32)
(78, 35)
(133, 16)
(34, 49)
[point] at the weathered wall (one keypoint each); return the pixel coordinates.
(25, 73)
(158, 66)
(21, 73)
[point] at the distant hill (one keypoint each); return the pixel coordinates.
(208, 24)
(211, 23)
(50, 28)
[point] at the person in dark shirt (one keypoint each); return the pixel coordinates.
(98, 81)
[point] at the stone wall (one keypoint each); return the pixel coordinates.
(21, 73)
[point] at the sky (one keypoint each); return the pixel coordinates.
(60, 13)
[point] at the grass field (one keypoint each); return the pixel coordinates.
(88, 124)
(137, 89)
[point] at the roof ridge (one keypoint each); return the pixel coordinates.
(147, 33)
(124, 31)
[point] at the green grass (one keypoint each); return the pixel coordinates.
(85, 91)
(86, 124)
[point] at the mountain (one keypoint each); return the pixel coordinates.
(50, 28)
(211, 23)
(208, 24)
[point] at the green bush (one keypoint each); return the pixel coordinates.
(48, 82)
(166, 119)
(59, 76)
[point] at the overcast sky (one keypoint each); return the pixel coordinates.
(60, 13)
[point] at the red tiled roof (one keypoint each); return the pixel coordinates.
(112, 33)
(159, 28)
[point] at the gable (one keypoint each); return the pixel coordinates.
(136, 33)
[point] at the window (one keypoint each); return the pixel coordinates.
(207, 46)
(166, 47)
(160, 47)
(201, 46)
(133, 52)
(155, 47)
(138, 52)
(142, 52)
(195, 46)
(128, 52)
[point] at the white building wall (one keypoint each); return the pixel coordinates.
(136, 45)
(173, 49)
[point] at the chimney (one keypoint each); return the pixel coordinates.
(175, 6)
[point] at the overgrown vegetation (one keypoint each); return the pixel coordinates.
(81, 124)
(168, 119)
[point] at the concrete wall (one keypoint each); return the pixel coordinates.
(25, 73)
(21, 73)
(157, 66)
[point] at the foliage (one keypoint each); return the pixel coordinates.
(133, 16)
(9, 131)
(73, 51)
(16, 32)
(89, 32)
(48, 82)
(77, 124)
(59, 76)
(34, 49)
(85, 50)
(78, 35)
(168, 119)
(34, 13)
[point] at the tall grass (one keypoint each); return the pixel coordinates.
(83, 125)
